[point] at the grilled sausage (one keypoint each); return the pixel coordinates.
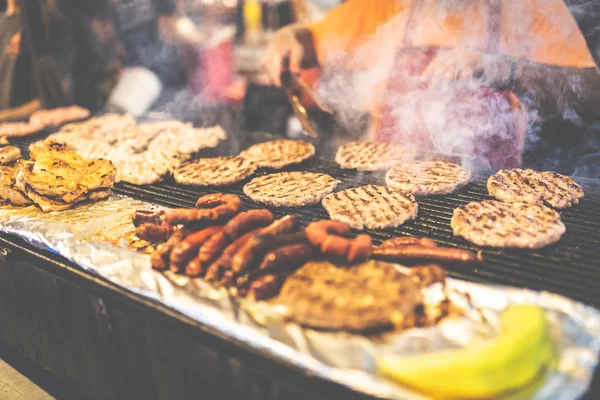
(141, 217)
(217, 268)
(266, 286)
(194, 268)
(317, 232)
(408, 240)
(288, 257)
(254, 250)
(416, 253)
(227, 279)
(186, 250)
(160, 257)
(361, 247)
(327, 236)
(154, 233)
(336, 246)
(216, 199)
(214, 207)
(246, 221)
(212, 248)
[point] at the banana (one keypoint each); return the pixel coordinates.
(511, 360)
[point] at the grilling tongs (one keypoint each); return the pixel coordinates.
(296, 89)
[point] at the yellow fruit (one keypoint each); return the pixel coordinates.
(519, 353)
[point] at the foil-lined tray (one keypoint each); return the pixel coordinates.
(97, 237)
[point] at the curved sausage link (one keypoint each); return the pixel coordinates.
(154, 233)
(317, 232)
(287, 257)
(160, 257)
(266, 286)
(216, 270)
(186, 250)
(327, 236)
(212, 248)
(194, 268)
(141, 217)
(247, 221)
(214, 207)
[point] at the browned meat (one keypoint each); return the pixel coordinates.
(219, 171)
(290, 189)
(427, 177)
(373, 207)
(279, 153)
(528, 186)
(496, 224)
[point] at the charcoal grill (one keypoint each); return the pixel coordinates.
(570, 268)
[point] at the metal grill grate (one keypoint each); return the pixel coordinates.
(570, 268)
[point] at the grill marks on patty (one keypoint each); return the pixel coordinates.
(290, 188)
(368, 156)
(373, 207)
(497, 224)
(277, 154)
(428, 177)
(217, 171)
(528, 186)
(366, 296)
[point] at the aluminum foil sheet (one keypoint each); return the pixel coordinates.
(97, 238)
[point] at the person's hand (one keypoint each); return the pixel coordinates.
(287, 51)
(459, 65)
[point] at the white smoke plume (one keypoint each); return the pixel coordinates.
(464, 117)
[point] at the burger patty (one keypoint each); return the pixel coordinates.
(428, 177)
(497, 224)
(292, 189)
(528, 186)
(373, 207)
(367, 296)
(367, 156)
(277, 154)
(217, 171)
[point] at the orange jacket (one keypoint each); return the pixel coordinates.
(543, 31)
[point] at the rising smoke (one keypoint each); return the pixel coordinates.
(470, 116)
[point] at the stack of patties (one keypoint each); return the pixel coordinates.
(57, 178)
